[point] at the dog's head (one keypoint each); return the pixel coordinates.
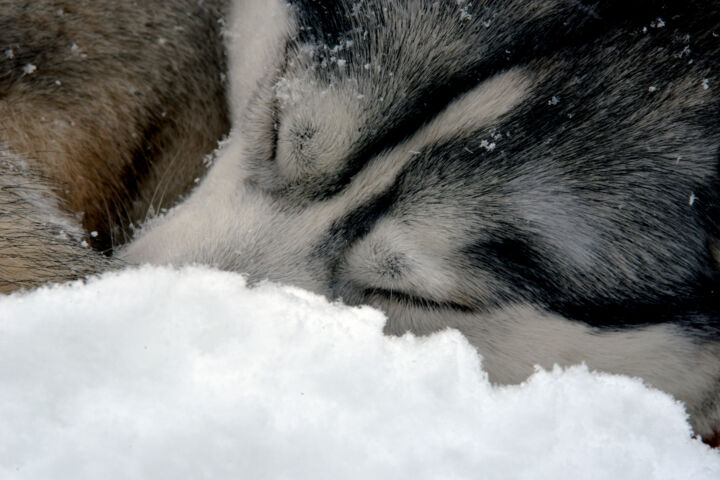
(447, 160)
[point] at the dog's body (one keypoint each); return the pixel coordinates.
(106, 110)
(540, 175)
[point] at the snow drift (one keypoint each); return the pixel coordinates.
(158, 373)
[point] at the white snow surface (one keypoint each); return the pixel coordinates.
(185, 374)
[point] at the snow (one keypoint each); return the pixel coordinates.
(489, 146)
(659, 23)
(159, 373)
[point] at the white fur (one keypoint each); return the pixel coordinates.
(514, 339)
(255, 36)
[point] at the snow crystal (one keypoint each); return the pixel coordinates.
(489, 146)
(659, 23)
(29, 69)
(165, 374)
(290, 91)
(9, 53)
(76, 50)
(686, 51)
(652, 89)
(692, 199)
(553, 101)
(706, 83)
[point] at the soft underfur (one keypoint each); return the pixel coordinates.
(540, 175)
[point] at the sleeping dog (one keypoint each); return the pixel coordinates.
(540, 175)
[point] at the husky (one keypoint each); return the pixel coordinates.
(540, 175)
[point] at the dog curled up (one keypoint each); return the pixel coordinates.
(540, 175)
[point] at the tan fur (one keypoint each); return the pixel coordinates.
(38, 243)
(110, 107)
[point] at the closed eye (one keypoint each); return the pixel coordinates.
(403, 298)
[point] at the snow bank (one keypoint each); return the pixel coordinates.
(164, 374)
